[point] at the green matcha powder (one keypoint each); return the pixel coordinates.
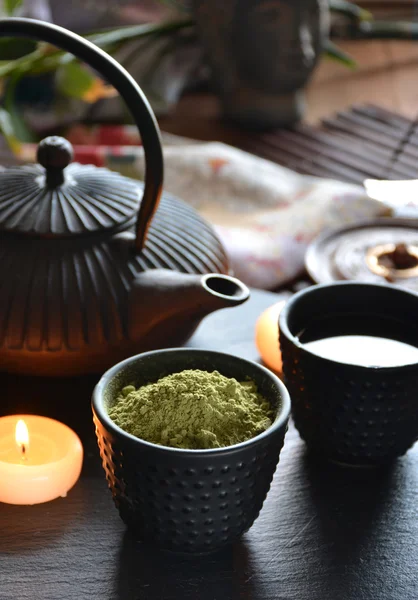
(193, 409)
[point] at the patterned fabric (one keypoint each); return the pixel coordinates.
(265, 214)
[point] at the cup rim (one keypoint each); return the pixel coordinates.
(100, 412)
(284, 328)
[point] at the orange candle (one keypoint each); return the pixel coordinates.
(267, 337)
(40, 459)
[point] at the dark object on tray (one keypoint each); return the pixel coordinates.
(262, 54)
(370, 251)
(188, 500)
(86, 281)
(357, 415)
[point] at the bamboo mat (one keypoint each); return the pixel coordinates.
(362, 142)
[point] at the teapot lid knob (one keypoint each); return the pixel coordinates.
(57, 199)
(54, 154)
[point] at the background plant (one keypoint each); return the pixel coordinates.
(22, 59)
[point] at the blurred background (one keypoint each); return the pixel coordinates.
(324, 88)
(199, 59)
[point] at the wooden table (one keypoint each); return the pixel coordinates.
(325, 533)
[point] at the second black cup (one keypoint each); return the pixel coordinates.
(354, 404)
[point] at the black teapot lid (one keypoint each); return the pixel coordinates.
(57, 198)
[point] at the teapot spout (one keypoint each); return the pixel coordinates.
(166, 306)
(223, 291)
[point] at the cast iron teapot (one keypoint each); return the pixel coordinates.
(90, 273)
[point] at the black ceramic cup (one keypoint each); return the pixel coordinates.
(188, 500)
(351, 414)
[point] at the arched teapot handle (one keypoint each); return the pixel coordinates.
(129, 90)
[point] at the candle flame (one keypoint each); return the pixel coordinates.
(22, 434)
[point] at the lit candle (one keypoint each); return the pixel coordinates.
(267, 337)
(40, 459)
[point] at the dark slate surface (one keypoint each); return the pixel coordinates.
(325, 533)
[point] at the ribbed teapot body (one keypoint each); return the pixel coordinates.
(64, 302)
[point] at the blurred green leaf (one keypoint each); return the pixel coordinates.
(390, 30)
(74, 80)
(335, 53)
(10, 6)
(46, 59)
(350, 10)
(21, 65)
(11, 48)
(6, 128)
(122, 34)
(17, 121)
